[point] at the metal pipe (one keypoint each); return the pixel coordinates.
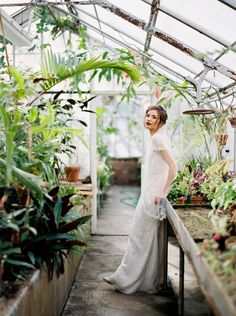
(152, 22)
(181, 282)
(165, 268)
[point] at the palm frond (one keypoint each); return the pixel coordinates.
(56, 69)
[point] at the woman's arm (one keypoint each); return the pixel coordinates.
(169, 159)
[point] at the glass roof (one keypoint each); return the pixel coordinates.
(180, 39)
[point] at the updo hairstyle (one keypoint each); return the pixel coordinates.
(161, 111)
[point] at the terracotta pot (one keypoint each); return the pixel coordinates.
(233, 121)
(182, 200)
(222, 138)
(196, 199)
(72, 173)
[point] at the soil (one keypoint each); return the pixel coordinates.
(10, 288)
(196, 220)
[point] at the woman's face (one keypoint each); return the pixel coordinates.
(152, 120)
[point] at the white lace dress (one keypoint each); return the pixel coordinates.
(141, 269)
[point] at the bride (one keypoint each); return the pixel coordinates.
(141, 269)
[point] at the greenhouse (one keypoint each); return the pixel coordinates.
(117, 157)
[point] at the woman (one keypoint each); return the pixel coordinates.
(141, 269)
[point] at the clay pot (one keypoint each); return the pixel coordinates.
(196, 199)
(182, 200)
(72, 173)
(233, 121)
(222, 138)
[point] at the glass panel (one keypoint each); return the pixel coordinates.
(176, 54)
(185, 34)
(118, 23)
(137, 8)
(218, 78)
(12, 9)
(211, 14)
(229, 60)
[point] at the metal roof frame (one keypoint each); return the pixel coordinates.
(211, 63)
(195, 26)
(151, 30)
(152, 22)
(166, 68)
(150, 49)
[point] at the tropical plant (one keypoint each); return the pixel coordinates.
(11, 226)
(225, 195)
(179, 187)
(55, 70)
(40, 235)
(216, 175)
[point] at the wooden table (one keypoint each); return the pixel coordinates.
(81, 188)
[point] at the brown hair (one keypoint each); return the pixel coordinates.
(161, 111)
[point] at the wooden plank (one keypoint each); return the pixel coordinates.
(78, 185)
(216, 295)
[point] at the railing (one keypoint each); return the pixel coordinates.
(212, 288)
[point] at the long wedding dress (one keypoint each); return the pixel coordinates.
(141, 269)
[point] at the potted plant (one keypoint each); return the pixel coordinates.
(194, 190)
(72, 173)
(221, 125)
(179, 188)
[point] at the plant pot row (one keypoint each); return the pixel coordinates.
(195, 199)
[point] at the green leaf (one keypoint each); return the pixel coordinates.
(32, 115)
(58, 236)
(73, 225)
(32, 257)
(19, 263)
(57, 210)
(77, 251)
(20, 84)
(55, 69)
(12, 250)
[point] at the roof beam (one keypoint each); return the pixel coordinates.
(152, 22)
(229, 3)
(209, 62)
(44, 3)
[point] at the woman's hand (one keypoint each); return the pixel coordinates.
(160, 197)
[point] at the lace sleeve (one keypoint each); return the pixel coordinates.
(160, 143)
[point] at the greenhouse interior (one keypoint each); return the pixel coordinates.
(117, 157)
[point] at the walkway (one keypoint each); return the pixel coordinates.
(90, 296)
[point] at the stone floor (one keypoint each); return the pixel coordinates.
(90, 296)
